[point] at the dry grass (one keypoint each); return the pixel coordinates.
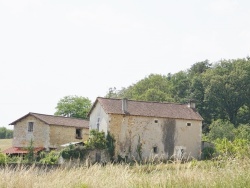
(231, 173)
(5, 144)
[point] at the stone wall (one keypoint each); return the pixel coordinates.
(40, 134)
(150, 138)
(61, 135)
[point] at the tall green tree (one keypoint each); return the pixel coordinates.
(197, 91)
(228, 87)
(73, 106)
(180, 86)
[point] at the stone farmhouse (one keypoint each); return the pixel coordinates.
(145, 130)
(46, 131)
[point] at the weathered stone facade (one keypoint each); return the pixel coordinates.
(39, 135)
(148, 137)
(144, 137)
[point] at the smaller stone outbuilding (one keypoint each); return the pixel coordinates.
(46, 132)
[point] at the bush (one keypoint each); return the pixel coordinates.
(72, 152)
(3, 158)
(96, 140)
(243, 132)
(220, 129)
(239, 148)
(50, 158)
(208, 153)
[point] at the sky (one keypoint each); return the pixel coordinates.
(53, 48)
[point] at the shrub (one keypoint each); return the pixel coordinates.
(208, 153)
(238, 148)
(96, 140)
(50, 158)
(30, 157)
(220, 129)
(3, 158)
(72, 152)
(243, 132)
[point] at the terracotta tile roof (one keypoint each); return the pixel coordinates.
(57, 120)
(150, 109)
(17, 150)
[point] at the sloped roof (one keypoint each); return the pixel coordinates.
(150, 109)
(57, 120)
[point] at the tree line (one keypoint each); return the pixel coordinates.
(5, 133)
(221, 91)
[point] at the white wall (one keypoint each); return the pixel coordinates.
(96, 113)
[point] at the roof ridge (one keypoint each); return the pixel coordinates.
(32, 113)
(142, 101)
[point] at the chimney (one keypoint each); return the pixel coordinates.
(125, 105)
(191, 104)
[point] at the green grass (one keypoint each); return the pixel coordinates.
(224, 173)
(5, 144)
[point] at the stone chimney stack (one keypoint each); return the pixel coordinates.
(125, 105)
(191, 104)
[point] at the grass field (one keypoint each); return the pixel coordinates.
(5, 144)
(227, 173)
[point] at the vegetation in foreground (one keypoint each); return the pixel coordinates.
(219, 173)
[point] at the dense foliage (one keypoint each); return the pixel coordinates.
(73, 106)
(228, 141)
(5, 133)
(97, 140)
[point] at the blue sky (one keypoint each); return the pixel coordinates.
(50, 49)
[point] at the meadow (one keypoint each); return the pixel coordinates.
(219, 173)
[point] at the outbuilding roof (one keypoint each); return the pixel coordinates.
(150, 109)
(57, 120)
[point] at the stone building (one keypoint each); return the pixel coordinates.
(46, 131)
(145, 130)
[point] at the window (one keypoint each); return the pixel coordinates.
(155, 149)
(189, 124)
(78, 133)
(156, 120)
(30, 126)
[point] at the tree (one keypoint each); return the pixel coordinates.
(220, 129)
(199, 67)
(228, 87)
(73, 106)
(155, 87)
(5, 133)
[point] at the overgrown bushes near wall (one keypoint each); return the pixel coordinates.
(229, 142)
(97, 142)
